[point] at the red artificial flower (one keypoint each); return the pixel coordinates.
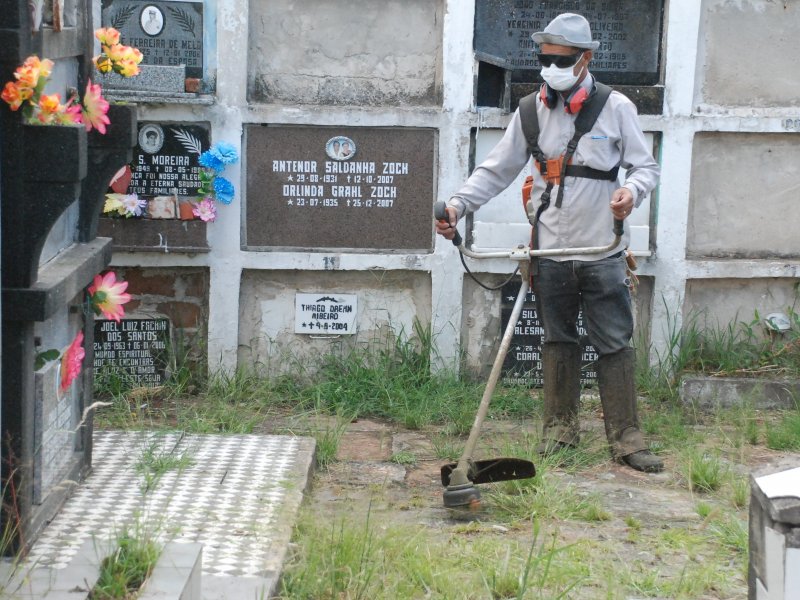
(71, 362)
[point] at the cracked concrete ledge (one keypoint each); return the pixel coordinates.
(176, 575)
(707, 393)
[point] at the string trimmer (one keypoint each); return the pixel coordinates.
(461, 478)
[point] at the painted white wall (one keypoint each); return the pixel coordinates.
(685, 58)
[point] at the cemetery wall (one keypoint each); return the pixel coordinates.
(345, 53)
(740, 213)
(178, 294)
(730, 74)
(713, 236)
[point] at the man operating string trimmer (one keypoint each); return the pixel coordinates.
(578, 213)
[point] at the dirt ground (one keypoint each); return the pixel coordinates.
(365, 478)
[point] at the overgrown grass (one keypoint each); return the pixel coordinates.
(123, 572)
(391, 380)
(736, 349)
(702, 471)
(345, 559)
(785, 434)
(154, 462)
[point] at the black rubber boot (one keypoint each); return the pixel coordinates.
(562, 393)
(616, 380)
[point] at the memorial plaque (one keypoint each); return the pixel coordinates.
(166, 159)
(523, 363)
(629, 32)
(340, 188)
(325, 314)
(138, 348)
(167, 33)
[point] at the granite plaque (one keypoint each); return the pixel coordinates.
(54, 421)
(629, 32)
(523, 363)
(166, 159)
(343, 188)
(138, 348)
(167, 33)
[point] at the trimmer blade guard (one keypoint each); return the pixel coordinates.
(496, 469)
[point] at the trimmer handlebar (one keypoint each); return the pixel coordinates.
(440, 214)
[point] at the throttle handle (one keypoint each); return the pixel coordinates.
(440, 214)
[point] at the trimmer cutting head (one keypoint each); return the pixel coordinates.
(462, 493)
(462, 496)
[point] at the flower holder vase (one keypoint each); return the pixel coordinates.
(107, 154)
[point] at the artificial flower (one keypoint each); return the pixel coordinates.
(103, 63)
(107, 295)
(209, 160)
(223, 190)
(225, 152)
(70, 115)
(127, 68)
(95, 108)
(71, 362)
(116, 57)
(28, 75)
(108, 36)
(45, 66)
(12, 94)
(31, 79)
(49, 107)
(132, 205)
(113, 204)
(205, 210)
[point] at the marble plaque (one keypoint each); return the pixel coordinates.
(167, 33)
(165, 160)
(629, 32)
(343, 188)
(136, 348)
(523, 363)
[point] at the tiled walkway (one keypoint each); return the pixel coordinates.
(237, 495)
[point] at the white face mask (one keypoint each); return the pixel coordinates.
(561, 79)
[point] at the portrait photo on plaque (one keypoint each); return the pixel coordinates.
(152, 20)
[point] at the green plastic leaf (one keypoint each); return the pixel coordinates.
(42, 358)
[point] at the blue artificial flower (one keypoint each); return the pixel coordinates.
(223, 190)
(209, 160)
(225, 152)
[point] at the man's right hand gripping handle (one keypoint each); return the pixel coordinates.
(442, 215)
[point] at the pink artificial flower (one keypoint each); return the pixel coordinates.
(71, 114)
(205, 210)
(107, 295)
(95, 108)
(71, 361)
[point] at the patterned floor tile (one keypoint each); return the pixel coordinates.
(226, 498)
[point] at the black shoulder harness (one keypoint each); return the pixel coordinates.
(583, 124)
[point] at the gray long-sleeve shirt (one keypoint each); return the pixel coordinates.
(584, 218)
